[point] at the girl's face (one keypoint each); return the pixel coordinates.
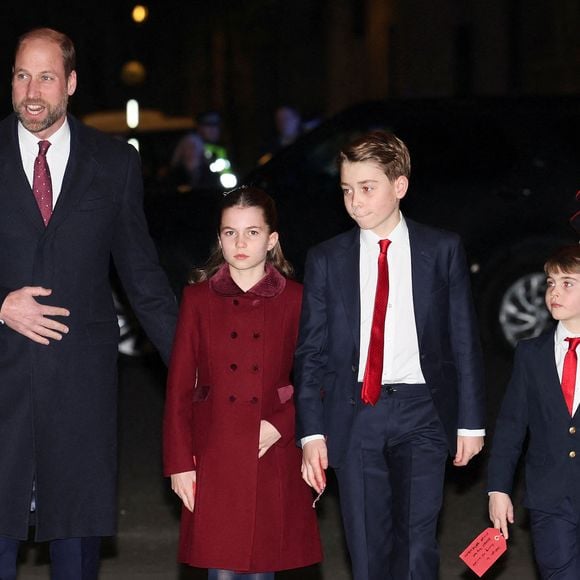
(245, 238)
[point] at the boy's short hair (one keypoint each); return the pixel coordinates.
(381, 147)
(565, 259)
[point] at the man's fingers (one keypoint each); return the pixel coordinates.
(54, 311)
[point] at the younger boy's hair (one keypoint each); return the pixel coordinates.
(565, 259)
(381, 147)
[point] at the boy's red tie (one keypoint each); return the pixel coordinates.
(373, 376)
(42, 183)
(569, 372)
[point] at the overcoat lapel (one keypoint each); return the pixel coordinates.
(79, 173)
(422, 261)
(348, 279)
(13, 178)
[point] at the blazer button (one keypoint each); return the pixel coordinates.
(256, 335)
(234, 334)
(234, 366)
(572, 454)
(232, 398)
(254, 400)
(255, 368)
(572, 430)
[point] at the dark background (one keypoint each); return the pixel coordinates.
(245, 57)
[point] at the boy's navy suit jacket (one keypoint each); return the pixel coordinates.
(534, 407)
(327, 356)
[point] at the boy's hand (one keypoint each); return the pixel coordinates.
(467, 449)
(314, 462)
(501, 511)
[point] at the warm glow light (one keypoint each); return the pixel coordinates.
(228, 180)
(132, 114)
(139, 13)
(134, 142)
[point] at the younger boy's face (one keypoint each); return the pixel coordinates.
(563, 298)
(370, 198)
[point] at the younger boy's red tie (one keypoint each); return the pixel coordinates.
(569, 372)
(42, 183)
(371, 388)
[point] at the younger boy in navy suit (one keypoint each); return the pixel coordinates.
(541, 403)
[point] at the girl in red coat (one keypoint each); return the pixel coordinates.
(229, 417)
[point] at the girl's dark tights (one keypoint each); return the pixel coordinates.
(215, 574)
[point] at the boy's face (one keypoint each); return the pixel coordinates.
(563, 298)
(370, 198)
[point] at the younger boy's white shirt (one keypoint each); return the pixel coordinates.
(560, 350)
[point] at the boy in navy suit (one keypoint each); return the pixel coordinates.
(388, 367)
(540, 403)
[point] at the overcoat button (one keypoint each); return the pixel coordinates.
(255, 368)
(234, 334)
(572, 454)
(256, 335)
(254, 400)
(572, 430)
(233, 366)
(235, 302)
(232, 398)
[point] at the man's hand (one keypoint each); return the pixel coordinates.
(467, 449)
(183, 484)
(314, 463)
(501, 511)
(22, 313)
(268, 436)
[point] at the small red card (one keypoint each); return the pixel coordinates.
(482, 553)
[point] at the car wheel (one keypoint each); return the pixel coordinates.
(522, 311)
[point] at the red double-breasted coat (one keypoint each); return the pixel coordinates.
(231, 368)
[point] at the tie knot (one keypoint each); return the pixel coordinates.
(384, 245)
(43, 147)
(573, 342)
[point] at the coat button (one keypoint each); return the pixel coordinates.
(234, 366)
(234, 334)
(256, 335)
(232, 398)
(255, 368)
(254, 400)
(235, 301)
(572, 454)
(572, 430)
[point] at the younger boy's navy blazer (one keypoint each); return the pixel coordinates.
(534, 407)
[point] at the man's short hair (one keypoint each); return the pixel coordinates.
(380, 147)
(64, 42)
(564, 259)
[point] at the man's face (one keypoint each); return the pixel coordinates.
(370, 198)
(40, 89)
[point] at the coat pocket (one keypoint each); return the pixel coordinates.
(200, 393)
(285, 393)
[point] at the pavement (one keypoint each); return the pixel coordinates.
(145, 548)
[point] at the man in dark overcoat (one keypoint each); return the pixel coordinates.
(59, 332)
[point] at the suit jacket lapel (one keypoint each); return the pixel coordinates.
(421, 270)
(348, 279)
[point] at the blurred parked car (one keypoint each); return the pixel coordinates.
(503, 173)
